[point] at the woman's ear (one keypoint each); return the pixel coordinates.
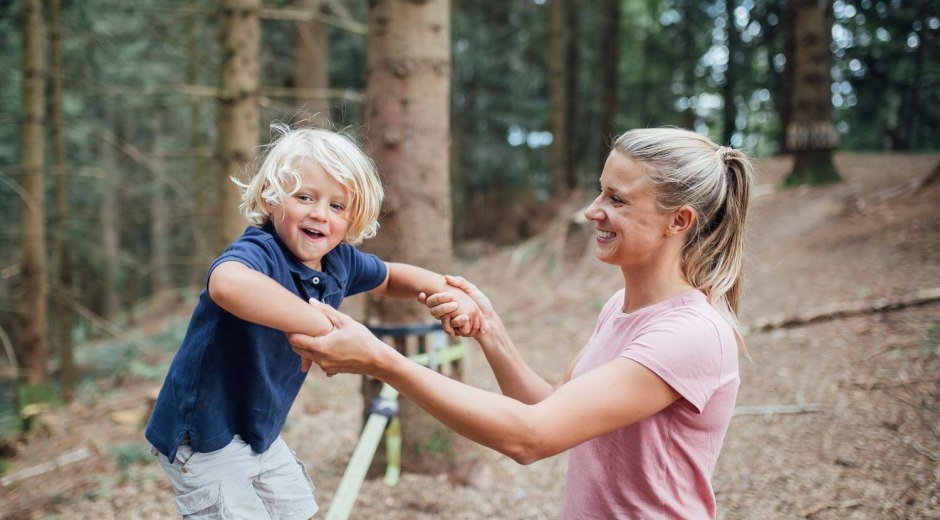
(682, 219)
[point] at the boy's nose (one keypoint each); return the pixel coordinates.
(317, 211)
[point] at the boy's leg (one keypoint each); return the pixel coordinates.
(216, 485)
(284, 485)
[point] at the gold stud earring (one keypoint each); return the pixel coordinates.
(669, 233)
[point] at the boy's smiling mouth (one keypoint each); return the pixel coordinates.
(313, 233)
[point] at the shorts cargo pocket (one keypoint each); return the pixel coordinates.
(202, 503)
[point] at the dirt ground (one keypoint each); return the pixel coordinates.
(864, 443)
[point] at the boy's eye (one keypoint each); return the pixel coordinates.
(338, 207)
(304, 198)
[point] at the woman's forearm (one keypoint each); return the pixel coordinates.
(496, 421)
(515, 377)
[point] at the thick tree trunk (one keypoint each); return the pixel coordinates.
(557, 112)
(407, 111)
(33, 281)
(61, 271)
(239, 114)
(811, 135)
(734, 61)
(609, 60)
(311, 65)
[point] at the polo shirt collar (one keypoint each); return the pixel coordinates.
(330, 263)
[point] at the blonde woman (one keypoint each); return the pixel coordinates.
(646, 403)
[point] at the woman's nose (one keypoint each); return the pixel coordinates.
(593, 211)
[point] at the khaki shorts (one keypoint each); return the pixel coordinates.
(235, 483)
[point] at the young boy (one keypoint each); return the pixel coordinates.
(216, 423)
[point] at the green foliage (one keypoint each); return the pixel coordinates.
(127, 455)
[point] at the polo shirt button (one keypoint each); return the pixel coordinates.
(185, 470)
(316, 280)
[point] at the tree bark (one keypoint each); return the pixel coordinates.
(159, 214)
(811, 135)
(730, 110)
(784, 102)
(571, 87)
(205, 201)
(311, 63)
(33, 281)
(557, 112)
(61, 270)
(239, 113)
(110, 235)
(609, 77)
(407, 114)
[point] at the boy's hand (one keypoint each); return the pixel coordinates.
(467, 320)
(463, 311)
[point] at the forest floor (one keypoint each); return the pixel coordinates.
(865, 442)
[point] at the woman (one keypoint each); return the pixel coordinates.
(645, 406)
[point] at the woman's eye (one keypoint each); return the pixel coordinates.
(615, 201)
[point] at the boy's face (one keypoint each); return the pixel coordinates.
(312, 221)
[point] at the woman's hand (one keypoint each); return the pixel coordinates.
(349, 349)
(444, 303)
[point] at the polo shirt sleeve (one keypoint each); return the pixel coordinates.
(683, 348)
(366, 271)
(254, 251)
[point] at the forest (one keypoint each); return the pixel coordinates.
(122, 123)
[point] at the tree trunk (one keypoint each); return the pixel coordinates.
(912, 106)
(239, 113)
(811, 135)
(407, 108)
(159, 214)
(784, 102)
(571, 87)
(204, 209)
(557, 113)
(311, 66)
(61, 271)
(33, 281)
(609, 61)
(690, 25)
(734, 61)
(108, 219)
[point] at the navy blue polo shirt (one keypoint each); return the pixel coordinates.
(231, 376)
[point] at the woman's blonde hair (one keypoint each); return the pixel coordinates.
(688, 169)
(278, 177)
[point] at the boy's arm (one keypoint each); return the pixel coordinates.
(253, 296)
(406, 282)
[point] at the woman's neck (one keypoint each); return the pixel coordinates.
(653, 284)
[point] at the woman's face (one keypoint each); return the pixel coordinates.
(629, 225)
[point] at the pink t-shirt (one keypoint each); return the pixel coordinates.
(660, 467)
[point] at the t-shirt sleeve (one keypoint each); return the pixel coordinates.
(366, 271)
(684, 349)
(254, 252)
